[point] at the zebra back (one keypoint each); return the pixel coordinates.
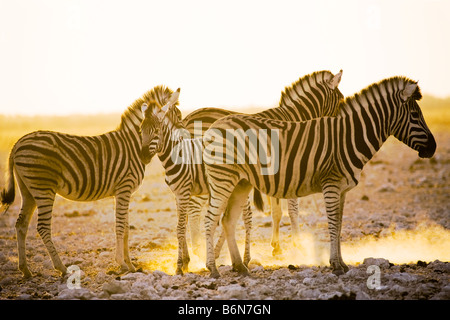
(312, 96)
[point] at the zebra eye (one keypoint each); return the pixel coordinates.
(415, 114)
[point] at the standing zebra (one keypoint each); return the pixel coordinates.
(186, 178)
(312, 96)
(81, 168)
(320, 155)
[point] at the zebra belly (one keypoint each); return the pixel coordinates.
(286, 184)
(84, 196)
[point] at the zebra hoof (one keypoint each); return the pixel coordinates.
(131, 268)
(179, 271)
(241, 269)
(338, 272)
(214, 275)
(26, 274)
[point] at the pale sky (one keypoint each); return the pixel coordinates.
(63, 57)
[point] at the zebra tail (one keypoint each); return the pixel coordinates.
(258, 200)
(8, 193)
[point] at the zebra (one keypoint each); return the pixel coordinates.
(186, 179)
(311, 96)
(81, 168)
(323, 155)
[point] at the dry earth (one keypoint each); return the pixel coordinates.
(397, 219)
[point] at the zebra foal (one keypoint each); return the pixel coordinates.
(80, 168)
(323, 155)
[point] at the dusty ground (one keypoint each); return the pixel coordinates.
(396, 219)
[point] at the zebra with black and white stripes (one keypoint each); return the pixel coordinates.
(186, 178)
(321, 155)
(80, 168)
(312, 96)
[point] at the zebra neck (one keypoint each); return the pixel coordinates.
(364, 129)
(129, 131)
(131, 121)
(167, 145)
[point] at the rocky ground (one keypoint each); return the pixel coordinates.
(395, 238)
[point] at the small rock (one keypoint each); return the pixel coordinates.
(257, 268)
(403, 277)
(104, 255)
(308, 293)
(365, 198)
(307, 273)
(356, 273)
(308, 281)
(399, 290)
(232, 291)
(71, 294)
(439, 266)
(7, 281)
(280, 273)
(159, 274)
(124, 296)
(388, 187)
(131, 276)
(361, 295)
(9, 266)
(380, 262)
(422, 264)
(334, 295)
(116, 286)
(225, 269)
(24, 296)
(100, 277)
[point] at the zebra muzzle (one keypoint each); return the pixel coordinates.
(145, 155)
(428, 150)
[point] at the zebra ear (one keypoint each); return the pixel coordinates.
(406, 93)
(143, 108)
(334, 82)
(173, 99)
(160, 115)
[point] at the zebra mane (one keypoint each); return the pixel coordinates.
(304, 82)
(158, 96)
(382, 87)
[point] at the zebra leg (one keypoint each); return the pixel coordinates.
(44, 227)
(247, 217)
(295, 223)
(217, 205)
(22, 223)
(276, 218)
(341, 213)
(122, 228)
(183, 253)
(196, 205)
(238, 200)
(219, 244)
(334, 202)
(126, 250)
